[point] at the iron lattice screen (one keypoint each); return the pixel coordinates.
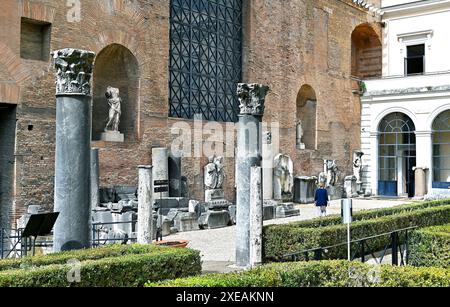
(205, 58)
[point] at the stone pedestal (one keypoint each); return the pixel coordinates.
(145, 207)
(214, 219)
(160, 161)
(286, 210)
(305, 189)
(73, 152)
(112, 136)
(421, 182)
(350, 186)
(211, 195)
(335, 192)
(251, 98)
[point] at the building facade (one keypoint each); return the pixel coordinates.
(406, 113)
(173, 60)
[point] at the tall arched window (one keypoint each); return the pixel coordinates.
(366, 52)
(397, 155)
(307, 118)
(205, 58)
(441, 151)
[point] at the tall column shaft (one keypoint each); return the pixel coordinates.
(160, 161)
(95, 178)
(73, 155)
(251, 98)
(145, 206)
(248, 155)
(256, 216)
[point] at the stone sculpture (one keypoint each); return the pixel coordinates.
(114, 101)
(357, 165)
(332, 172)
(220, 172)
(283, 178)
(210, 174)
(300, 133)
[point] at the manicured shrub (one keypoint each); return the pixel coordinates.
(370, 214)
(320, 274)
(80, 255)
(280, 240)
(430, 247)
(127, 270)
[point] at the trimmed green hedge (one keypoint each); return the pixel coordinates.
(109, 267)
(81, 255)
(370, 214)
(280, 240)
(430, 247)
(320, 274)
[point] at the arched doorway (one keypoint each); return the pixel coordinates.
(116, 66)
(441, 151)
(366, 52)
(306, 118)
(397, 155)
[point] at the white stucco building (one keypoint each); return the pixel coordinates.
(406, 112)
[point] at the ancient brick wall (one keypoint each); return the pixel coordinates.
(286, 44)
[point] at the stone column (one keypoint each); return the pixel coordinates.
(145, 205)
(420, 182)
(256, 216)
(267, 164)
(95, 178)
(160, 160)
(73, 138)
(251, 97)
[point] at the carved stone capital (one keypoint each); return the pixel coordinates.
(251, 98)
(73, 71)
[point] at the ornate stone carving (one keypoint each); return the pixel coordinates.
(114, 102)
(214, 173)
(332, 172)
(251, 98)
(218, 161)
(73, 71)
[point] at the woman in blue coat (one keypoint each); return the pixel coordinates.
(321, 200)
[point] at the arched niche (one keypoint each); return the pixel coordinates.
(116, 66)
(366, 52)
(307, 115)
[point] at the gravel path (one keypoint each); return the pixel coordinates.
(218, 245)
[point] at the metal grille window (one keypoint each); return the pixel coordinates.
(441, 151)
(205, 58)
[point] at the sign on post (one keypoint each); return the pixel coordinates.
(347, 218)
(161, 186)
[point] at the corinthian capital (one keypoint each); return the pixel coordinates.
(73, 71)
(251, 98)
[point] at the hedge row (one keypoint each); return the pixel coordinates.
(370, 214)
(280, 240)
(320, 274)
(129, 270)
(81, 255)
(430, 247)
